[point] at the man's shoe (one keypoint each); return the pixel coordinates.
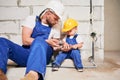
(2, 75)
(29, 76)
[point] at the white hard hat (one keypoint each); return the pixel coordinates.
(56, 6)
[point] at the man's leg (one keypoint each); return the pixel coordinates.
(10, 50)
(38, 59)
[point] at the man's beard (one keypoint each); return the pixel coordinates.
(49, 23)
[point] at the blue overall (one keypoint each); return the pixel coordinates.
(73, 54)
(35, 57)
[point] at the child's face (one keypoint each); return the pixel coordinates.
(72, 32)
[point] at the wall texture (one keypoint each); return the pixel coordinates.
(112, 25)
(13, 12)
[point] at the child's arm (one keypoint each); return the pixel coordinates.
(79, 43)
(77, 46)
(66, 47)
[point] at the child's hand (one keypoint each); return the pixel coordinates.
(66, 47)
(74, 46)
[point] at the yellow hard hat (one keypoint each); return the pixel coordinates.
(69, 24)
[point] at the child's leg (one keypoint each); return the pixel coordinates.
(75, 55)
(60, 58)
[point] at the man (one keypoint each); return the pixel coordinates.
(38, 35)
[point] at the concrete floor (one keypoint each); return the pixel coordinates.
(109, 70)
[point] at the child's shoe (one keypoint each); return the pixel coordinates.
(80, 69)
(55, 67)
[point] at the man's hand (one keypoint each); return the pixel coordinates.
(53, 42)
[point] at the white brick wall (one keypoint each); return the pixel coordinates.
(32, 2)
(13, 12)
(76, 2)
(98, 27)
(79, 13)
(9, 27)
(8, 2)
(98, 13)
(37, 10)
(16, 38)
(98, 2)
(84, 28)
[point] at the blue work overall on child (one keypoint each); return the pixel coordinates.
(35, 56)
(73, 54)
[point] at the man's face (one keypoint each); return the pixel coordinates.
(52, 19)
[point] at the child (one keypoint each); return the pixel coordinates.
(70, 49)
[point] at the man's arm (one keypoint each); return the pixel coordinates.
(26, 36)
